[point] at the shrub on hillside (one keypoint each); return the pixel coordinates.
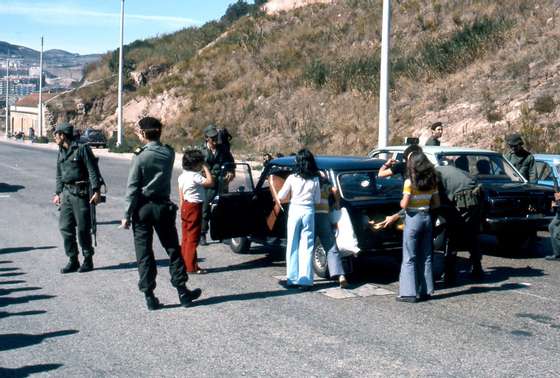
(544, 104)
(129, 144)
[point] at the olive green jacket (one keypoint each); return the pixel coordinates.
(77, 164)
(525, 164)
(150, 174)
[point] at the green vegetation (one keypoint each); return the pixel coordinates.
(130, 142)
(544, 104)
(435, 57)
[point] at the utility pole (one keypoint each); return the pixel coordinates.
(7, 97)
(120, 93)
(385, 72)
(40, 105)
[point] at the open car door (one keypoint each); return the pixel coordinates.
(233, 209)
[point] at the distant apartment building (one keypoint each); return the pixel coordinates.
(20, 86)
(24, 115)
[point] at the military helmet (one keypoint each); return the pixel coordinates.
(65, 128)
(514, 139)
(211, 131)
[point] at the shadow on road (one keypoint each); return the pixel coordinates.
(8, 301)
(103, 223)
(6, 262)
(4, 251)
(7, 188)
(8, 269)
(12, 274)
(22, 340)
(11, 282)
(161, 263)
(258, 295)
(5, 314)
(27, 371)
(503, 273)
(479, 290)
(263, 262)
(9, 291)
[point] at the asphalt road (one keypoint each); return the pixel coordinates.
(96, 324)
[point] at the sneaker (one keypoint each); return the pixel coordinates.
(87, 265)
(152, 302)
(342, 282)
(552, 258)
(186, 296)
(72, 266)
(407, 299)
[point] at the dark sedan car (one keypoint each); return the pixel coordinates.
(512, 209)
(246, 213)
(93, 137)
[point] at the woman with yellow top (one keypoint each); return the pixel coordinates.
(420, 194)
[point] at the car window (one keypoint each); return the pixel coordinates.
(242, 181)
(544, 171)
(363, 185)
(483, 166)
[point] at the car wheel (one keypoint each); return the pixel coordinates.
(320, 265)
(240, 245)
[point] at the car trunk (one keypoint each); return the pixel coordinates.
(364, 214)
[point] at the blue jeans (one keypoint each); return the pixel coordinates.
(324, 232)
(299, 249)
(416, 277)
(554, 229)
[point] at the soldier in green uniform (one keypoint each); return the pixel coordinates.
(521, 159)
(77, 175)
(460, 207)
(215, 156)
(149, 208)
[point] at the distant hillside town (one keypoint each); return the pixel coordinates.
(20, 71)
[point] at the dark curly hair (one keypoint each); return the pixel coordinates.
(306, 167)
(192, 159)
(421, 172)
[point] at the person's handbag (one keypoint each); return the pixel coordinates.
(346, 240)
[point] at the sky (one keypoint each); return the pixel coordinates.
(93, 26)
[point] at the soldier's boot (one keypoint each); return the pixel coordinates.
(72, 266)
(186, 296)
(87, 265)
(477, 273)
(449, 271)
(151, 301)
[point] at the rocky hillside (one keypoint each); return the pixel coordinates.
(309, 76)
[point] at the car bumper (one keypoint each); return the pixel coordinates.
(529, 222)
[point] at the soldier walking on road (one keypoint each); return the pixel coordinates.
(521, 159)
(215, 156)
(149, 208)
(77, 175)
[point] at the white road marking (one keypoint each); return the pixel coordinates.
(4, 196)
(535, 295)
(10, 166)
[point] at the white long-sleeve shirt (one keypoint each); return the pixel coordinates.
(303, 192)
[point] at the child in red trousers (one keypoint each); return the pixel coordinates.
(191, 197)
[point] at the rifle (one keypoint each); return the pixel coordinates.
(93, 212)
